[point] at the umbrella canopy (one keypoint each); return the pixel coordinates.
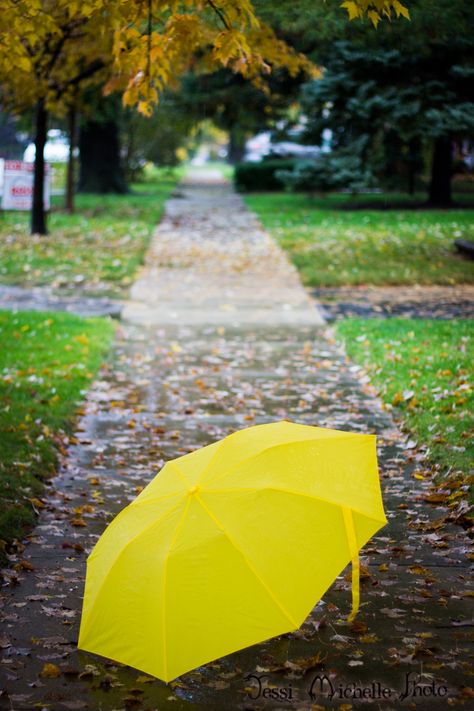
(230, 545)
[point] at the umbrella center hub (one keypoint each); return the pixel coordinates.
(193, 490)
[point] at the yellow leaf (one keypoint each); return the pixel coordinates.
(352, 9)
(401, 9)
(24, 63)
(50, 671)
(417, 570)
(85, 508)
(374, 17)
(145, 108)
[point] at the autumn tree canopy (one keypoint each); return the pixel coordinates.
(51, 50)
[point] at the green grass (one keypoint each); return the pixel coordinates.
(424, 369)
(97, 249)
(46, 362)
(335, 247)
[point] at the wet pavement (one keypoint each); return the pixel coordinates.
(44, 298)
(176, 384)
(433, 302)
(211, 262)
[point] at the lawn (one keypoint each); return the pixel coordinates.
(333, 245)
(424, 370)
(46, 362)
(97, 249)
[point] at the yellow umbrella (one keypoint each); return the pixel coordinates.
(230, 545)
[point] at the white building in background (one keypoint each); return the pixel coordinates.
(56, 149)
(261, 145)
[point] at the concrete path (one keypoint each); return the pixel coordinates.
(220, 336)
(211, 263)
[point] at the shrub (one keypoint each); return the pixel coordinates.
(328, 171)
(310, 175)
(254, 177)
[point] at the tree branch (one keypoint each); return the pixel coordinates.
(148, 60)
(220, 13)
(86, 73)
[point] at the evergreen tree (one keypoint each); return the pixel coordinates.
(393, 95)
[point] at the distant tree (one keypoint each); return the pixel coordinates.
(156, 139)
(10, 145)
(389, 94)
(100, 167)
(237, 106)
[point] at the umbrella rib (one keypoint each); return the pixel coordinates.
(212, 459)
(127, 545)
(285, 491)
(266, 449)
(249, 563)
(153, 523)
(165, 570)
(156, 499)
(178, 472)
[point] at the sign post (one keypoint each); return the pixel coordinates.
(18, 186)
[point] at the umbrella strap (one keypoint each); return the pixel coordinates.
(354, 551)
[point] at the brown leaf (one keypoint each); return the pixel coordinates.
(75, 546)
(24, 565)
(436, 498)
(78, 522)
(358, 627)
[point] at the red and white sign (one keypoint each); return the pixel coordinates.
(18, 186)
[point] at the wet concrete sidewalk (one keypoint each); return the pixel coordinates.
(210, 262)
(44, 298)
(214, 341)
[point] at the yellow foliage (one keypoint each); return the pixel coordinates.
(375, 10)
(51, 50)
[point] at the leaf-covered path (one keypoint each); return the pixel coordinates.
(220, 335)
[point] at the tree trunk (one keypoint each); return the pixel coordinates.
(38, 213)
(440, 185)
(100, 165)
(411, 180)
(69, 197)
(411, 168)
(236, 150)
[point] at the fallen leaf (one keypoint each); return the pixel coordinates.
(78, 522)
(50, 671)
